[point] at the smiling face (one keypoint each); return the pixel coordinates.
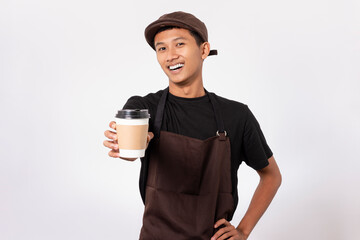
(179, 56)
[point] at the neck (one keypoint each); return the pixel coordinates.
(193, 90)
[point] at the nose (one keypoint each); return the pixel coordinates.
(171, 54)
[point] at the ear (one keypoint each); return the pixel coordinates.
(205, 50)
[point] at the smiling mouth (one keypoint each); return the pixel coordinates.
(176, 66)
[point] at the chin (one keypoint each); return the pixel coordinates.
(177, 81)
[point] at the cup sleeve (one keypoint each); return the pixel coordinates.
(256, 150)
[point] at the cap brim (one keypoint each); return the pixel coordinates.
(153, 28)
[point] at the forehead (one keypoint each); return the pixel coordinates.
(172, 34)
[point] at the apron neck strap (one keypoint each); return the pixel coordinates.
(161, 106)
(160, 112)
(218, 115)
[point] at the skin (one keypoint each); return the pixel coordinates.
(112, 142)
(270, 181)
(175, 46)
(179, 46)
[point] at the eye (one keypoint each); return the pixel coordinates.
(180, 44)
(161, 49)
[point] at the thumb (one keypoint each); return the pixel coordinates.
(150, 136)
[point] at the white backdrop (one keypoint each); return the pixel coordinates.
(67, 66)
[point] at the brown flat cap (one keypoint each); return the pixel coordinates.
(177, 19)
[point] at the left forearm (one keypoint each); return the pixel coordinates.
(260, 201)
(270, 180)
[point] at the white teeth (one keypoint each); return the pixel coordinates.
(176, 66)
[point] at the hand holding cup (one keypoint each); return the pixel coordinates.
(131, 137)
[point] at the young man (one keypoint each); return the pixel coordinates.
(196, 142)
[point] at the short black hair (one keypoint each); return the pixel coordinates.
(197, 37)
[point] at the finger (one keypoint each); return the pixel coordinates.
(114, 154)
(111, 144)
(222, 233)
(111, 135)
(217, 234)
(220, 222)
(128, 159)
(151, 135)
(112, 124)
(228, 233)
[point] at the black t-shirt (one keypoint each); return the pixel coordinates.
(194, 117)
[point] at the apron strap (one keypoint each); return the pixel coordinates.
(218, 116)
(160, 114)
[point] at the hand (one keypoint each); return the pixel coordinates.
(227, 232)
(112, 143)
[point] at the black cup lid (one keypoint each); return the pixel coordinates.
(133, 114)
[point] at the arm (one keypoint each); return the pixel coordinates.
(270, 180)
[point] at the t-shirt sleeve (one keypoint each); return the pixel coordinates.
(134, 103)
(256, 150)
(137, 102)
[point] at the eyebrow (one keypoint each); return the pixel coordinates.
(175, 39)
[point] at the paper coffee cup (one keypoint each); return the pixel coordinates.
(132, 129)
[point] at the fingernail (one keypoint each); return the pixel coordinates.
(115, 146)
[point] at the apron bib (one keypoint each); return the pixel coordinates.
(189, 183)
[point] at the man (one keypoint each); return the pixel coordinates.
(196, 142)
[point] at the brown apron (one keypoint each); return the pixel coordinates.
(189, 183)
